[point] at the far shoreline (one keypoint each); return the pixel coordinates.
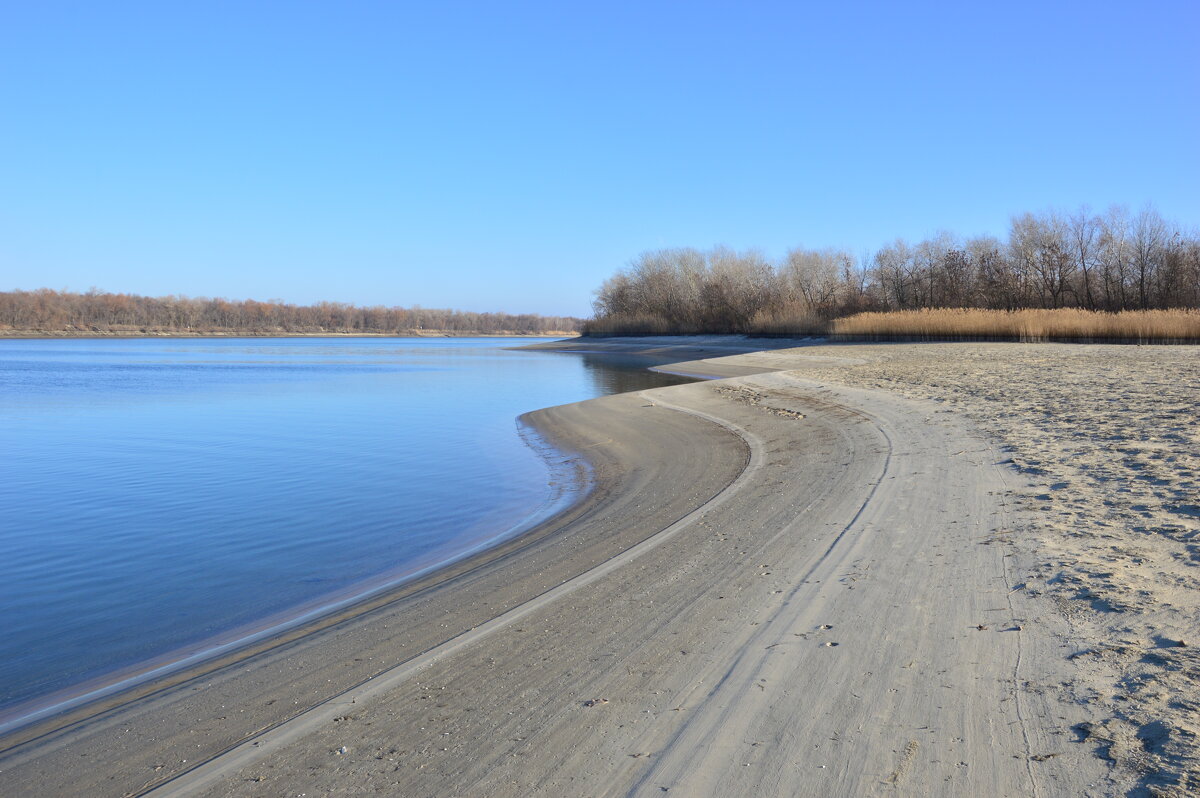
(18, 335)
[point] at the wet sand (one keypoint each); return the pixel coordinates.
(833, 572)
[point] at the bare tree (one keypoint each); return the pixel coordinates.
(816, 275)
(1115, 257)
(95, 311)
(1148, 244)
(1039, 250)
(1049, 260)
(739, 286)
(894, 269)
(1084, 231)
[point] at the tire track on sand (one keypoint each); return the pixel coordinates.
(683, 751)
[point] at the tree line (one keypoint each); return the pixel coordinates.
(45, 310)
(1112, 262)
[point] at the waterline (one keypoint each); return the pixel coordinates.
(177, 500)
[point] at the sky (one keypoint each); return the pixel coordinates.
(511, 156)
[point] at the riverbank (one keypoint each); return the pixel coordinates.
(151, 333)
(231, 486)
(823, 576)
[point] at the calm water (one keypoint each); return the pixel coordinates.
(156, 495)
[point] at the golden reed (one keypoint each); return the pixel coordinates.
(1025, 325)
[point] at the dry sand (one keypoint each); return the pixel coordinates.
(843, 570)
(1106, 443)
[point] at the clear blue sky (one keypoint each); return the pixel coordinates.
(510, 156)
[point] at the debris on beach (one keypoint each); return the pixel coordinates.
(595, 702)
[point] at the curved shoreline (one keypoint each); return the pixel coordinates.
(214, 769)
(444, 587)
(572, 482)
(192, 657)
(779, 585)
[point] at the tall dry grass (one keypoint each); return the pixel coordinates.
(1025, 325)
(791, 320)
(630, 324)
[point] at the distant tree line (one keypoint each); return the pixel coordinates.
(45, 310)
(1106, 262)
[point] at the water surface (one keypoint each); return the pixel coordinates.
(157, 494)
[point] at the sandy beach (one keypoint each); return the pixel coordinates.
(944, 569)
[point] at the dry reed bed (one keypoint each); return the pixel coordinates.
(785, 322)
(1064, 324)
(1025, 325)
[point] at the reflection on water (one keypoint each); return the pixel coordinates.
(612, 373)
(158, 493)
